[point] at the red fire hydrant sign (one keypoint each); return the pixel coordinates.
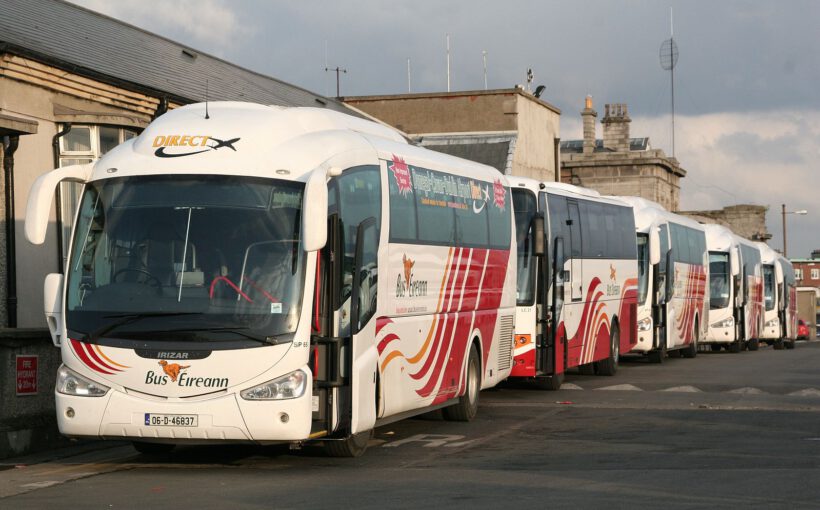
(26, 374)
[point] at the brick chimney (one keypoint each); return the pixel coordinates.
(616, 127)
(588, 115)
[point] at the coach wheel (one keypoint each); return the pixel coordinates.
(692, 350)
(715, 347)
(658, 355)
(352, 446)
(790, 344)
(609, 366)
(550, 382)
(778, 344)
(754, 344)
(152, 448)
(467, 406)
(586, 369)
(736, 346)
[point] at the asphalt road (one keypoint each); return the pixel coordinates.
(719, 431)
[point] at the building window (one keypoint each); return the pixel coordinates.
(798, 273)
(815, 274)
(83, 144)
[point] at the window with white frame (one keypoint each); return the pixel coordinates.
(815, 274)
(798, 273)
(83, 144)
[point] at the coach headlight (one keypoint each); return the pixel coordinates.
(772, 323)
(725, 323)
(645, 324)
(70, 382)
(288, 386)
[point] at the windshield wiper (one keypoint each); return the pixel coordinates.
(240, 331)
(128, 318)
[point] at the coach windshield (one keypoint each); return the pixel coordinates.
(719, 275)
(186, 258)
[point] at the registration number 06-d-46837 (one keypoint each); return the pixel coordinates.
(171, 420)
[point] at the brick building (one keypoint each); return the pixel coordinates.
(807, 271)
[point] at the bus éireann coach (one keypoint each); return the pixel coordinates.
(577, 281)
(779, 293)
(673, 304)
(267, 274)
(736, 300)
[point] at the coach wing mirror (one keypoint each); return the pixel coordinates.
(53, 306)
(670, 275)
(734, 261)
(41, 197)
(314, 210)
(744, 282)
(654, 246)
(537, 229)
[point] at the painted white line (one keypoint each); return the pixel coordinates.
(41, 485)
(570, 386)
(621, 387)
(808, 392)
(683, 389)
(746, 390)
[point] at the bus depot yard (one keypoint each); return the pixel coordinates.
(726, 431)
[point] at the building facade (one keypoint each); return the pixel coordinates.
(509, 129)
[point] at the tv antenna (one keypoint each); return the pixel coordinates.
(669, 57)
(338, 70)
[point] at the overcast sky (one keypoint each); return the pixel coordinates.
(747, 83)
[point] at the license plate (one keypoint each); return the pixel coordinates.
(171, 420)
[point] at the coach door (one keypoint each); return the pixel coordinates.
(575, 273)
(346, 302)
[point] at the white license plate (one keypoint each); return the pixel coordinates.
(171, 420)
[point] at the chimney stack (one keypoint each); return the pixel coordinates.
(588, 115)
(616, 127)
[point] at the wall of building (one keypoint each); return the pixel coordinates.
(443, 113)
(535, 150)
(32, 91)
(745, 220)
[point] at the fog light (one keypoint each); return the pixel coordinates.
(69, 412)
(284, 417)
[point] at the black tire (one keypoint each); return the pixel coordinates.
(586, 369)
(778, 344)
(715, 347)
(692, 350)
(352, 446)
(549, 382)
(754, 344)
(153, 448)
(658, 355)
(790, 344)
(736, 346)
(609, 366)
(467, 406)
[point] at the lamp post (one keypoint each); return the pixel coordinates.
(785, 212)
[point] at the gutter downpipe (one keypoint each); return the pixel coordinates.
(55, 146)
(10, 144)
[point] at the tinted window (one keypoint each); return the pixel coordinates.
(498, 210)
(525, 209)
(558, 216)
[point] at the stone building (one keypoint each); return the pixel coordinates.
(619, 164)
(73, 84)
(745, 220)
(509, 129)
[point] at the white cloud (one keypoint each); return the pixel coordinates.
(211, 24)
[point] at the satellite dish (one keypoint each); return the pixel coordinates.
(669, 54)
